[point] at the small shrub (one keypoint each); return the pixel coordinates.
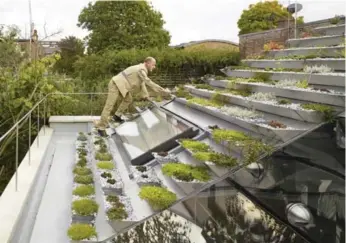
(82, 137)
(103, 149)
(182, 171)
(141, 168)
(272, 46)
(194, 146)
(229, 136)
(112, 199)
(262, 77)
(326, 110)
(182, 93)
(106, 175)
(99, 141)
(303, 84)
(103, 156)
(84, 190)
(159, 198)
(80, 232)
(335, 20)
(82, 162)
(217, 158)
(276, 124)
(117, 213)
(205, 102)
(144, 176)
(284, 102)
(81, 171)
(105, 165)
(111, 181)
(87, 179)
(85, 207)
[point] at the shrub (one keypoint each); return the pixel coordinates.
(217, 158)
(84, 190)
(82, 162)
(85, 207)
(113, 199)
(272, 46)
(262, 16)
(111, 181)
(103, 156)
(276, 124)
(303, 84)
(82, 137)
(117, 213)
(80, 232)
(335, 20)
(141, 168)
(105, 165)
(194, 146)
(284, 102)
(99, 141)
(326, 110)
(229, 136)
(182, 93)
(263, 77)
(182, 171)
(159, 198)
(87, 179)
(205, 102)
(106, 175)
(103, 148)
(81, 171)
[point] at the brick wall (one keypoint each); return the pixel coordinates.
(252, 44)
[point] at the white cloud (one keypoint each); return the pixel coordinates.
(185, 20)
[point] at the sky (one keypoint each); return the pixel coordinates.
(186, 20)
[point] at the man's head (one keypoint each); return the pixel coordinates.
(150, 63)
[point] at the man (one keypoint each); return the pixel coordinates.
(132, 81)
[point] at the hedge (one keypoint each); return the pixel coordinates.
(100, 66)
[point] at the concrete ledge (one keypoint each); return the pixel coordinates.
(325, 51)
(72, 119)
(300, 115)
(331, 29)
(324, 98)
(337, 64)
(316, 41)
(12, 201)
(319, 79)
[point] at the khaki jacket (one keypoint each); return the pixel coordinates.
(136, 82)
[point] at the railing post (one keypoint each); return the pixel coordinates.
(17, 135)
(44, 116)
(38, 125)
(30, 139)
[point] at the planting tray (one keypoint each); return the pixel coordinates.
(119, 225)
(297, 94)
(315, 78)
(152, 179)
(280, 110)
(331, 40)
(169, 158)
(188, 187)
(331, 30)
(274, 133)
(337, 64)
(302, 51)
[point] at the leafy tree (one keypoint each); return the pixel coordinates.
(262, 16)
(123, 25)
(71, 48)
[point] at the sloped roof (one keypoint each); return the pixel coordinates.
(204, 41)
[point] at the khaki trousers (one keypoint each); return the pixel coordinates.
(115, 103)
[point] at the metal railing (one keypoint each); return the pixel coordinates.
(37, 108)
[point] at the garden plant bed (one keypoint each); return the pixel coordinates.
(165, 157)
(288, 92)
(334, 79)
(325, 51)
(119, 212)
(145, 176)
(290, 110)
(330, 40)
(159, 198)
(108, 175)
(258, 125)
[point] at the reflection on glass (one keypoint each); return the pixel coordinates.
(150, 129)
(305, 177)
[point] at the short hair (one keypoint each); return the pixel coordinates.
(149, 59)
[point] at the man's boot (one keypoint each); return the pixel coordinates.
(117, 119)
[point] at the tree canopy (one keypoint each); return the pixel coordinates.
(121, 25)
(262, 16)
(70, 49)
